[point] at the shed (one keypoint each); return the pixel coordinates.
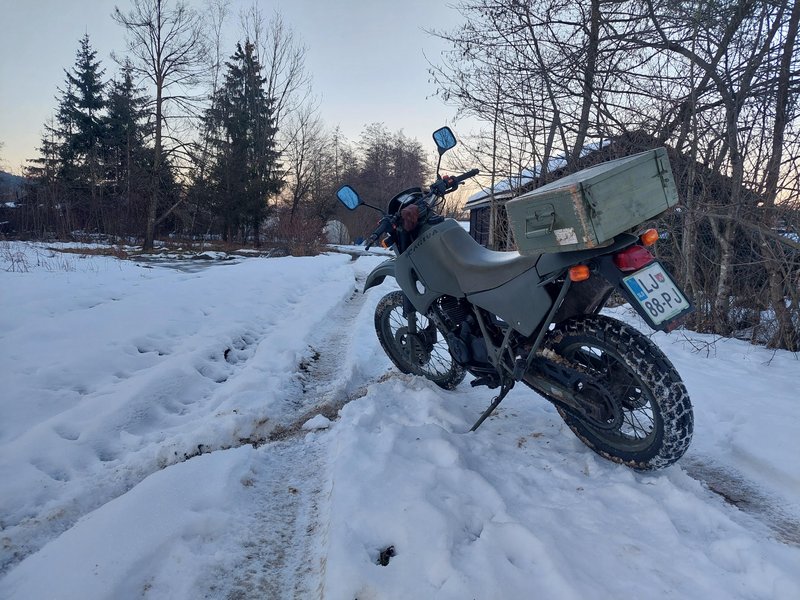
(479, 204)
(336, 232)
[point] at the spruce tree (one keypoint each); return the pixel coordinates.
(81, 112)
(71, 146)
(241, 125)
(125, 155)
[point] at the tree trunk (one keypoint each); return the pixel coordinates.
(721, 304)
(493, 205)
(786, 335)
(152, 208)
(588, 79)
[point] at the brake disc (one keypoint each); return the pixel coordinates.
(599, 407)
(414, 349)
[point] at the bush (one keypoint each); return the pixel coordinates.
(299, 234)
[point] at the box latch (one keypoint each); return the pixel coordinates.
(541, 222)
(663, 168)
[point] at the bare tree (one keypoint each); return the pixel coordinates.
(742, 53)
(168, 46)
(305, 144)
(781, 282)
(715, 82)
(284, 60)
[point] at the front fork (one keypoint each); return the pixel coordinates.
(426, 336)
(410, 314)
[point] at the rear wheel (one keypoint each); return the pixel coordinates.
(424, 353)
(657, 420)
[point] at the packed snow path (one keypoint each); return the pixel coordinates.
(216, 364)
(152, 446)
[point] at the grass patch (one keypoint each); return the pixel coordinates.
(115, 251)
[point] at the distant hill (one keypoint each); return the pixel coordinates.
(10, 189)
(10, 182)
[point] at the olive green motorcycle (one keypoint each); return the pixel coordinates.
(505, 318)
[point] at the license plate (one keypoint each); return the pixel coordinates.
(656, 292)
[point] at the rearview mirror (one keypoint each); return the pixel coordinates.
(349, 197)
(444, 139)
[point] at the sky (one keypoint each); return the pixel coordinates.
(367, 60)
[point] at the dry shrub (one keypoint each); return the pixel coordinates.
(298, 235)
(115, 251)
(22, 258)
(13, 258)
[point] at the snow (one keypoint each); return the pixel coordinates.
(317, 422)
(237, 431)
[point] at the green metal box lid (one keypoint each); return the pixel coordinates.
(588, 208)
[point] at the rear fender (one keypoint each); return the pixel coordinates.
(379, 273)
(550, 264)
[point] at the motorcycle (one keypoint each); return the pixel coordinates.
(506, 318)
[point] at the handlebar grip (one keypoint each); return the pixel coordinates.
(384, 226)
(466, 175)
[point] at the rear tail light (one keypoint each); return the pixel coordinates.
(649, 237)
(579, 273)
(633, 258)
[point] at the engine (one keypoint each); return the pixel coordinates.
(464, 335)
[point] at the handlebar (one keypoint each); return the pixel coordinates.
(384, 226)
(466, 176)
(448, 184)
(439, 188)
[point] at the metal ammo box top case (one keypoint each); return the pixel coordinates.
(588, 208)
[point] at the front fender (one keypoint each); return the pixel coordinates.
(379, 273)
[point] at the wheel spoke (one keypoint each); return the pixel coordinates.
(646, 428)
(637, 422)
(637, 427)
(424, 351)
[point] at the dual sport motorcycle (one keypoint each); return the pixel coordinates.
(506, 318)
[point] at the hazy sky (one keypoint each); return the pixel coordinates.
(365, 57)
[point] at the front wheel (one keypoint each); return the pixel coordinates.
(424, 352)
(657, 420)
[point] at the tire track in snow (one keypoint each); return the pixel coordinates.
(744, 495)
(153, 415)
(284, 552)
(283, 549)
(314, 388)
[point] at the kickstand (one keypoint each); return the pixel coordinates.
(506, 387)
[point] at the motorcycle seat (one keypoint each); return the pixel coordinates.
(477, 268)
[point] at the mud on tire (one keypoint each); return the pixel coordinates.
(427, 355)
(658, 419)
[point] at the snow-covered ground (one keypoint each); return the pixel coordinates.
(159, 438)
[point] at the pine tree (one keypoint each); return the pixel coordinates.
(71, 146)
(240, 123)
(125, 155)
(81, 112)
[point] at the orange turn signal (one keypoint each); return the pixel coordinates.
(579, 273)
(649, 237)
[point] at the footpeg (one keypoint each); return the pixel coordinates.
(487, 380)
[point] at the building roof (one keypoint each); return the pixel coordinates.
(511, 186)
